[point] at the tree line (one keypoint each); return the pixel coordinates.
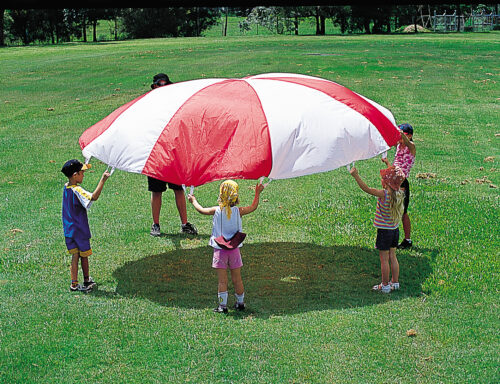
(54, 26)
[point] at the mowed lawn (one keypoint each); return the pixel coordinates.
(309, 258)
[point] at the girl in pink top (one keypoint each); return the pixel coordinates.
(387, 217)
(404, 159)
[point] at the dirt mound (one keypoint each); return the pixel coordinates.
(411, 28)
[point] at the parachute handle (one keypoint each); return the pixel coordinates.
(191, 189)
(110, 171)
(264, 184)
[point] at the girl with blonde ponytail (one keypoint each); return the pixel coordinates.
(396, 205)
(226, 223)
(387, 217)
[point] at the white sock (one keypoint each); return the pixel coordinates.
(222, 298)
(240, 298)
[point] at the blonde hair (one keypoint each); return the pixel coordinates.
(228, 196)
(396, 205)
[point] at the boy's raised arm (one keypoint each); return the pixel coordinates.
(100, 185)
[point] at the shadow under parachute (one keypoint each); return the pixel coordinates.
(279, 278)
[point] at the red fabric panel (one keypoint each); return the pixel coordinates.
(220, 132)
(340, 93)
(90, 134)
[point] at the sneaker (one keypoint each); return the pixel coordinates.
(382, 288)
(220, 309)
(89, 284)
(189, 228)
(79, 287)
(394, 286)
(239, 306)
(155, 230)
(405, 244)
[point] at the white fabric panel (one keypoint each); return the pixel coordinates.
(126, 144)
(311, 132)
(282, 74)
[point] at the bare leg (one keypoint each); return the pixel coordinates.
(237, 281)
(394, 265)
(156, 206)
(406, 226)
(74, 266)
(180, 201)
(222, 276)
(85, 268)
(384, 266)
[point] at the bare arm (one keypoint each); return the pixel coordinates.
(386, 161)
(100, 185)
(371, 191)
(409, 144)
(199, 208)
(246, 210)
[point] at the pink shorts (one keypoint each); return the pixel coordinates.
(225, 258)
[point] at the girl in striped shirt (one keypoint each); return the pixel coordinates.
(387, 217)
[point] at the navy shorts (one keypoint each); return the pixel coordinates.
(155, 185)
(386, 239)
(76, 245)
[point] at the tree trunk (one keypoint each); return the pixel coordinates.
(415, 21)
(84, 29)
(94, 32)
(2, 36)
(225, 23)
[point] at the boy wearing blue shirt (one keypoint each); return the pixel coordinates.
(76, 202)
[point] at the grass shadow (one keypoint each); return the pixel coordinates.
(279, 278)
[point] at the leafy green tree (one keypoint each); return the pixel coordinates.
(167, 22)
(29, 25)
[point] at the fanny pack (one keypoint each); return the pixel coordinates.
(234, 241)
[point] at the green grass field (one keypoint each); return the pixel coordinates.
(309, 261)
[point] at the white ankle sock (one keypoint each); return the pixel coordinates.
(222, 298)
(240, 298)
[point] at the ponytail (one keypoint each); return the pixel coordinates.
(397, 208)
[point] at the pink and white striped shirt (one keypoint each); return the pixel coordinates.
(404, 159)
(383, 218)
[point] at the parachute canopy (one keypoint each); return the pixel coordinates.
(278, 125)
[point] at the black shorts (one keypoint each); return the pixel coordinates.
(155, 185)
(406, 186)
(386, 239)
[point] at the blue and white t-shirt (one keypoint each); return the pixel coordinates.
(76, 201)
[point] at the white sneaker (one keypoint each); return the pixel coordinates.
(382, 288)
(394, 286)
(155, 230)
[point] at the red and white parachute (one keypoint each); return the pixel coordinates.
(278, 125)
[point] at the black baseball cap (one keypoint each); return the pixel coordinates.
(70, 167)
(406, 128)
(160, 80)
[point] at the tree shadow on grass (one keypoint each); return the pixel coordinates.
(279, 278)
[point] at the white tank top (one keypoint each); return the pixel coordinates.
(226, 228)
